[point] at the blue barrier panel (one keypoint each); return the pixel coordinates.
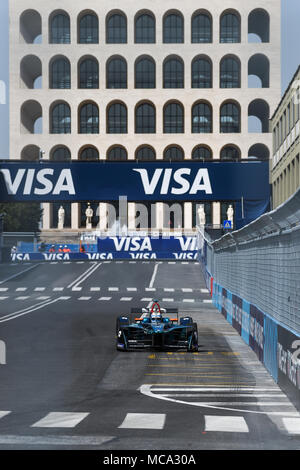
(229, 307)
(245, 327)
(270, 347)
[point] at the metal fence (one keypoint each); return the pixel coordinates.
(261, 262)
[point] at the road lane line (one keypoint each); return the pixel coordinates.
(80, 278)
(19, 274)
(225, 424)
(60, 420)
(153, 276)
(32, 308)
(143, 421)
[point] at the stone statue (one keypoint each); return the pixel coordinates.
(201, 215)
(61, 218)
(230, 214)
(89, 214)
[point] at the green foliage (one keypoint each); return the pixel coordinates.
(21, 217)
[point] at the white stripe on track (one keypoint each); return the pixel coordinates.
(83, 276)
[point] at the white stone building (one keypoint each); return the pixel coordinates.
(148, 80)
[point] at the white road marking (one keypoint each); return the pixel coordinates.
(95, 289)
(113, 289)
(19, 274)
(225, 424)
(60, 420)
(83, 276)
(207, 301)
(204, 291)
(43, 297)
(22, 297)
(169, 289)
(188, 300)
(3, 289)
(84, 298)
(125, 299)
(292, 425)
(21, 289)
(167, 300)
(212, 389)
(65, 298)
(4, 413)
(25, 311)
(143, 421)
(147, 390)
(40, 289)
(105, 298)
(56, 441)
(131, 289)
(150, 289)
(58, 289)
(146, 299)
(153, 275)
(76, 289)
(187, 289)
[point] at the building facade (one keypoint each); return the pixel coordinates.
(147, 81)
(285, 127)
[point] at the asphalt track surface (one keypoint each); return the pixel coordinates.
(64, 385)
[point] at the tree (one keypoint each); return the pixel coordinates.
(21, 216)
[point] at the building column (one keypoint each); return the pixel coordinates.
(75, 223)
(103, 217)
(159, 215)
(216, 209)
(188, 216)
(46, 218)
(131, 216)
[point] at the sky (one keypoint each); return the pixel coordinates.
(290, 53)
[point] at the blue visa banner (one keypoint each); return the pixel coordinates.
(126, 247)
(177, 247)
(148, 181)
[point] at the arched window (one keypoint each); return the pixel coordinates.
(60, 154)
(31, 27)
(89, 119)
(60, 119)
(230, 118)
(60, 73)
(145, 73)
(116, 29)
(116, 76)
(230, 152)
(145, 29)
(173, 73)
(173, 118)
(89, 154)
(30, 153)
(230, 28)
(173, 29)
(202, 153)
(88, 73)
(60, 29)
(145, 153)
(201, 73)
(145, 119)
(259, 26)
(259, 71)
(31, 72)
(201, 118)
(174, 153)
(117, 153)
(230, 73)
(201, 28)
(88, 29)
(259, 152)
(117, 119)
(31, 117)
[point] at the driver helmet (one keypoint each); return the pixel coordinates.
(156, 315)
